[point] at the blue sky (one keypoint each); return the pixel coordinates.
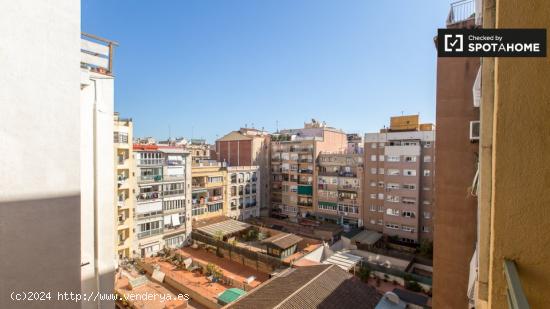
(206, 67)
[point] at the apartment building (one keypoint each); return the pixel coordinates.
(209, 189)
(399, 180)
(457, 154)
(294, 176)
(163, 206)
(340, 188)
(199, 149)
(125, 187)
(243, 192)
(248, 147)
(511, 266)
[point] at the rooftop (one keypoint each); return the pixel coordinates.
(132, 294)
(320, 286)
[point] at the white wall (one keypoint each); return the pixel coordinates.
(98, 227)
(40, 146)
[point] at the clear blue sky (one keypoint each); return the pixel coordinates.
(207, 67)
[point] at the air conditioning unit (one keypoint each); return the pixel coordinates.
(474, 130)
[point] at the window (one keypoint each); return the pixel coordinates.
(409, 172)
(426, 188)
(426, 172)
(373, 158)
(407, 228)
(392, 186)
(373, 170)
(380, 222)
(410, 159)
(380, 196)
(393, 172)
(425, 229)
(121, 137)
(372, 221)
(392, 226)
(426, 202)
(409, 186)
(381, 145)
(409, 200)
(380, 208)
(427, 159)
(427, 144)
(427, 215)
(381, 184)
(408, 214)
(373, 145)
(381, 158)
(175, 241)
(373, 196)
(393, 159)
(392, 198)
(372, 207)
(381, 171)
(392, 212)
(373, 184)
(215, 179)
(173, 204)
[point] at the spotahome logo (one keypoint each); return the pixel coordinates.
(491, 43)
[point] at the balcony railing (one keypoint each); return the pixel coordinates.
(97, 53)
(516, 296)
(150, 178)
(157, 161)
(149, 233)
(461, 11)
(149, 195)
(173, 192)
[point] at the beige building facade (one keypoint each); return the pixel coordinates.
(399, 180)
(125, 188)
(209, 189)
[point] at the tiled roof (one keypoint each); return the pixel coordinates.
(320, 286)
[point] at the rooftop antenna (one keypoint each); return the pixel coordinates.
(169, 132)
(277, 125)
(192, 131)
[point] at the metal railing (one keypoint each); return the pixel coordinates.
(516, 296)
(461, 11)
(97, 53)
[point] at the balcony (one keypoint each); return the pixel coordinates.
(174, 177)
(516, 296)
(305, 204)
(149, 195)
(305, 171)
(174, 162)
(173, 192)
(156, 161)
(461, 11)
(96, 53)
(150, 178)
(149, 233)
(348, 187)
(215, 198)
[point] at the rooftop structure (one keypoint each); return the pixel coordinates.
(308, 287)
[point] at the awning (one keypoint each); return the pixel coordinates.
(344, 260)
(226, 227)
(367, 237)
(167, 220)
(176, 219)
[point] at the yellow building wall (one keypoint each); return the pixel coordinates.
(520, 206)
(200, 171)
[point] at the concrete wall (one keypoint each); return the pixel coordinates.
(40, 183)
(521, 173)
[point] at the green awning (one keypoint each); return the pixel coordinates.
(305, 190)
(329, 204)
(230, 295)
